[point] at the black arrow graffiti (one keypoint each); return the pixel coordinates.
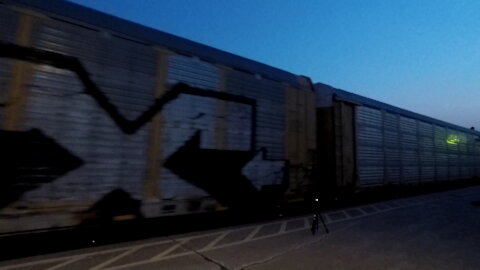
(216, 171)
(29, 159)
(9, 50)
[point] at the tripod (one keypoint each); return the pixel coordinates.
(316, 216)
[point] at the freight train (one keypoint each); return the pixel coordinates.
(104, 117)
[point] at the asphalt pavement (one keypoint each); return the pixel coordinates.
(434, 231)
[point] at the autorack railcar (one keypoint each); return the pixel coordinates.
(96, 108)
(104, 117)
(365, 143)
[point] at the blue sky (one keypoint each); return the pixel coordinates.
(421, 55)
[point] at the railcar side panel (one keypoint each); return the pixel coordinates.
(236, 130)
(395, 146)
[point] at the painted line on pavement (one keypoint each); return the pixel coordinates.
(390, 206)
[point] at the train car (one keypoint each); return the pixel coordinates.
(366, 143)
(101, 117)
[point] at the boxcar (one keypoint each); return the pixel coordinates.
(101, 116)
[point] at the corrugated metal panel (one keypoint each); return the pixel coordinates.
(470, 145)
(408, 125)
(428, 173)
(312, 121)
(392, 156)
(393, 174)
(364, 101)
(270, 98)
(425, 129)
(370, 140)
(193, 71)
(370, 175)
(441, 159)
(462, 147)
(441, 173)
(452, 147)
(462, 136)
(82, 15)
(466, 172)
(470, 138)
(292, 152)
(473, 160)
(5, 73)
(471, 172)
(409, 141)
(427, 159)
(471, 151)
(440, 131)
(410, 174)
(262, 173)
(369, 116)
(59, 108)
(477, 162)
(410, 158)
(412, 150)
(370, 136)
(440, 138)
(453, 160)
(370, 156)
(453, 172)
(392, 139)
(426, 143)
(302, 124)
(391, 121)
(238, 126)
(9, 22)
(185, 116)
(465, 160)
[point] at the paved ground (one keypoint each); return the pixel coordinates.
(435, 231)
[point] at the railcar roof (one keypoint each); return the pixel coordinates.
(343, 95)
(71, 11)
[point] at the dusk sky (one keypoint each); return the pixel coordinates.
(421, 55)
